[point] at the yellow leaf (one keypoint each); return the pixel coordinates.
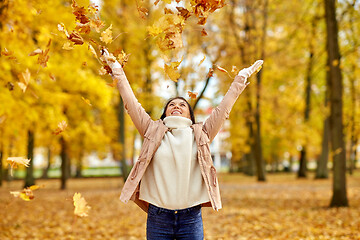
(15, 161)
(335, 62)
(106, 36)
(202, 60)
(171, 70)
(24, 80)
(81, 207)
(154, 30)
(87, 101)
(67, 46)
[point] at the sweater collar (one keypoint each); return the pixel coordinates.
(177, 122)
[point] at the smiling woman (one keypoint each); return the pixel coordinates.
(178, 106)
(175, 176)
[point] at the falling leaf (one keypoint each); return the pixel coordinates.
(76, 38)
(80, 13)
(87, 101)
(81, 207)
(24, 80)
(83, 28)
(62, 28)
(172, 70)
(123, 58)
(26, 194)
(15, 161)
(143, 12)
(202, 60)
(221, 69)
(234, 69)
(35, 52)
(43, 58)
(168, 11)
(184, 12)
(67, 46)
(61, 127)
(192, 95)
(106, 36)
(96, 24)
(6, 52)
(210, 73)
(92, 50)
(203, 32)
(156, 2)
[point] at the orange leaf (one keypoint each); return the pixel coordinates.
(203, 32)
(192, 95)
(76, 38)
(202, 60)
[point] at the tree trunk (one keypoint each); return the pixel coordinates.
(1, 167)
(64, 163)
(29, 179)
(46, 169)
(260, 166)
(121, 118)
(339, 197)
(353, 135)
(79, 165)
(322, 169)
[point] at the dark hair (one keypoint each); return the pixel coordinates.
(192, 116)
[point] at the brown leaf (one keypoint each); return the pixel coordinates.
(76, 38)
(203, 32)
(184, 12)
(61, 127)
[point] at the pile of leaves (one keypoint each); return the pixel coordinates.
(282, 208)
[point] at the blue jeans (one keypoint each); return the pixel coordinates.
(165, 224)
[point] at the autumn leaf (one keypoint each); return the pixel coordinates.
(24, 80)
(192, 95)
(35, 52)
(96, 23)
(76, 38)
(81, 207)
(203, 32)
(43, 58)
(234, 69)
(83, 28)
(184, 12)
(67, 46)
(61, 127)
(15, 161)
(26, 194)
(6, 52)
(171, 70)
(123, 58)
(143, 12)
(80, 13)
(202, 60)
(210, 73)
(87, 101)
(62, 28)
(106, 36)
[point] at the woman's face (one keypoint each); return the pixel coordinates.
(178, 107)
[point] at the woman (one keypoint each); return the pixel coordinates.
(174, 176)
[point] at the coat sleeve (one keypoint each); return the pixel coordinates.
(217, 117)
(137, 113)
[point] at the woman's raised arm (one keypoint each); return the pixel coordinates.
(217, 117)
(137, 113)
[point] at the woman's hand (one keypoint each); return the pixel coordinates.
(245, 73)
(110, 60)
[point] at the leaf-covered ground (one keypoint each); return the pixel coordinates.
(282, 208)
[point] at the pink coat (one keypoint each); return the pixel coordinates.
(153, 132)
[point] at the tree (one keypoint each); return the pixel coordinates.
(339, 197)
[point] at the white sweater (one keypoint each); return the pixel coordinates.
(173, 179)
